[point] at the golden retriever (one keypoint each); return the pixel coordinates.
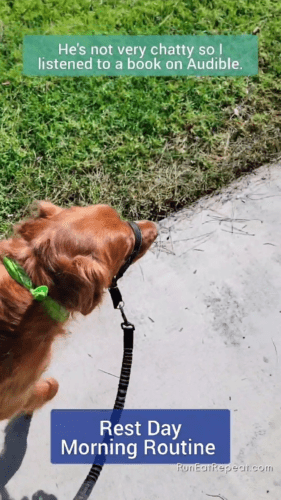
(76, 252)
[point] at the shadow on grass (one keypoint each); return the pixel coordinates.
(13, 453)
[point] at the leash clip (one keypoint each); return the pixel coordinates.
(126, 325)
(119, 304)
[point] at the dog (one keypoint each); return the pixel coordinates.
(75, 252)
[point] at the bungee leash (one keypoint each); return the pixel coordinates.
(128, 341)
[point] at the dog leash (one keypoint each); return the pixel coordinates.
(128, 342)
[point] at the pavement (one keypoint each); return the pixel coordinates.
(206, 303)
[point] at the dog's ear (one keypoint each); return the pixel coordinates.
(79, 282)
(47, 209)
(41, 212)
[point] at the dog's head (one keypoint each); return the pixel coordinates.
(77, 251)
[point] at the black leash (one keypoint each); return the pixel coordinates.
(128, 332)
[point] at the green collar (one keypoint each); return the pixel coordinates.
(54, 309)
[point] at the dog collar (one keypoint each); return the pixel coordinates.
(135, 252)
(53, 308)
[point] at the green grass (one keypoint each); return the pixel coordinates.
(145, 145)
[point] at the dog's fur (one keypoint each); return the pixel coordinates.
(75, 252)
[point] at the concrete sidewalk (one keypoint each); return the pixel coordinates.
(206, 303)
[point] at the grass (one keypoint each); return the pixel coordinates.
(145, 145)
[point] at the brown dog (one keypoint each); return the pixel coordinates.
(75, 252)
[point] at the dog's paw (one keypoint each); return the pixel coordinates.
(44, 391)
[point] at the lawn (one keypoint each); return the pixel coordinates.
(145, 145)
